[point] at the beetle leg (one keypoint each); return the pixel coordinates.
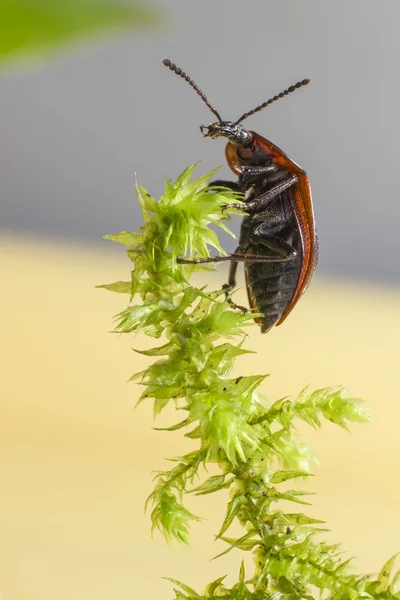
(252, 174)
(282, 256)
(266, 198)
(232, 185)
(227, 289)
(232, 274)
(200, 261)
(274, 243)
(231, 284)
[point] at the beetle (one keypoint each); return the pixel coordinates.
(278, 243)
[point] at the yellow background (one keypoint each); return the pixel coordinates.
(76, 459)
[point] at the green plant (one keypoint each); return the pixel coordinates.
(30, 27)
(252, 444)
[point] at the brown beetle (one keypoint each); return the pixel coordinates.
(278, 242)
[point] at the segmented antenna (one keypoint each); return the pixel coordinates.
(172, 66)
(291, 89)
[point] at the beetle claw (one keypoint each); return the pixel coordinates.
(227, 289)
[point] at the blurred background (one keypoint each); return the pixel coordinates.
(86, 103)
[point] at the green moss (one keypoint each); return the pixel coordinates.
(252, 443)
(31, 27)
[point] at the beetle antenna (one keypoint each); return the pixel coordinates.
(172, 66)
(289, 90)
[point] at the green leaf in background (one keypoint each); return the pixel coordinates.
(35, 26)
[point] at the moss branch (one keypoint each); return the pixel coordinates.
(252, 444)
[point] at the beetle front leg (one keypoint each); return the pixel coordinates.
(253, 174)
(232, 185)
(246, 175)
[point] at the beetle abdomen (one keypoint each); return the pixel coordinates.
(271, 287)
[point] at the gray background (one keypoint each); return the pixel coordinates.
(74, 130)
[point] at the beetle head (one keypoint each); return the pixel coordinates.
(236, 134)
(233, 131)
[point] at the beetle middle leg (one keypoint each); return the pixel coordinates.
(264, 199)
(262, 236)
(283, 252)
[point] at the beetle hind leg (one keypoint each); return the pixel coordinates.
(227, 290)
(232, 274)
(228, 287)
(232, 284)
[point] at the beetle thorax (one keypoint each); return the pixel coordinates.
(254, 155)
(236, 134)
